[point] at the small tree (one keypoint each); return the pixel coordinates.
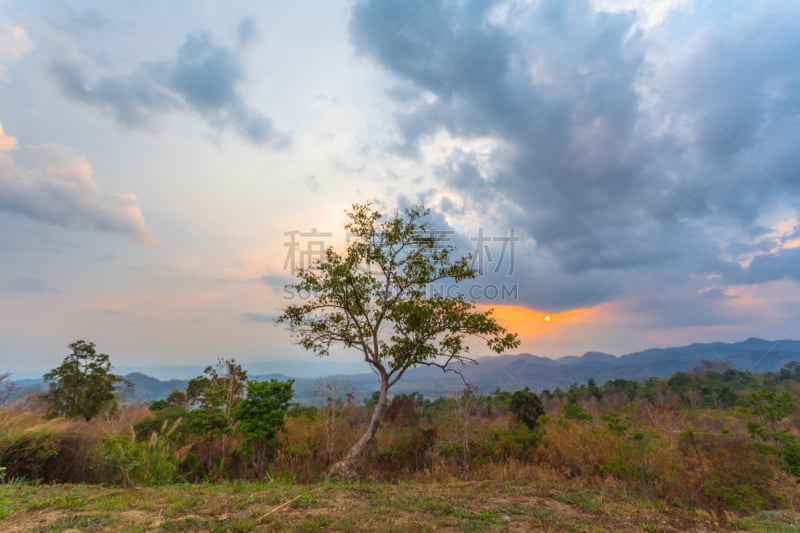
(373, 298)
(526, 407)
(214, 394)
(83, 385)
(329, 403)
(261, 415)
(220, 387)
(465, 405)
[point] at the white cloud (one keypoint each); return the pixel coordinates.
(59, 189)
(14, 43)
(651, 13)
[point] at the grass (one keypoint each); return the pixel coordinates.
(381, 507)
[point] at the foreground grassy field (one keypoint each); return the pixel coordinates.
(452, 506)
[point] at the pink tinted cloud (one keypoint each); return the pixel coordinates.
(7, 142)
(59, 189)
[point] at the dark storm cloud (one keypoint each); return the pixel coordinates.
(204, 77)
(613, 162)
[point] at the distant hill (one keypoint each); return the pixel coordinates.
(311, 368)
(538, 373)
(512, 372)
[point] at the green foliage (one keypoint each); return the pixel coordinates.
(374, 298)
(175, 398)
(789, 452)
(573, 411)
(617, 423)
(519, 443)
(261, 415)
(635, 456)
(624, 387)
(771, 406)
(372, 401)
(768, 408)
(790, 371)
(381, 282)
(150, 462)
(216, 420)
(207, 429)
(83, 385)
(220, 387)
(679, 382)
(297, 410)
(526, 407)
(164, 414)
(27, 454)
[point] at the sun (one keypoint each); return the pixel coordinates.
(547, 318)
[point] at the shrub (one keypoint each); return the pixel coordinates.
(153, 462)
(723, 471)
(55, 451)
(575, 449)
(519, 443)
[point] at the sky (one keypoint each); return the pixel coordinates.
(628, 169)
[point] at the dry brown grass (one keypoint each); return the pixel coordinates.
(575, 449)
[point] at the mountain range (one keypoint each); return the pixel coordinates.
(508, 372)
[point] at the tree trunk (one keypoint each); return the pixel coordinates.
(347, 467)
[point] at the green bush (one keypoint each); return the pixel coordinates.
(151, 462)
(519, 443)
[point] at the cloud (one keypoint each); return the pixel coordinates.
(247, 31)
(624, 169)
(133, 100)
(203, 77)
(651, 13)
(277, 281)
(258, 318)
(72, 20)
(7, 142)
(14, 44)
(312, 183)
(30, 285)
(58, 189)
(783, 264)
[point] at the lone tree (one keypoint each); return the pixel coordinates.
(83, 385)
(373, 298)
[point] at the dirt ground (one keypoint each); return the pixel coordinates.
(452, 506)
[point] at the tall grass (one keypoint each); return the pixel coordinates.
(34, 448)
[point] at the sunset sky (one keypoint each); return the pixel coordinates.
(630, 169)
